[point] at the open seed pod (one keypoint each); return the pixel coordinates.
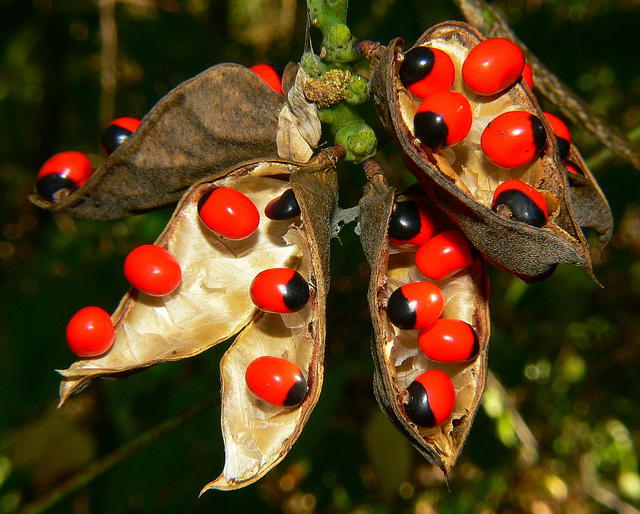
(213, 303)
(397, 354)
(462, 180)
(590, 207)
(223, 116)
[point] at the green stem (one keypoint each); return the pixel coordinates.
(347, 127)
(94, 470)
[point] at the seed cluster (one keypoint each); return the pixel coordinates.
(437, 258)
(231, 214)
(154, 271)
(455, 103)
(66, 172)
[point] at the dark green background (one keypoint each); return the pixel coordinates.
(566, 351)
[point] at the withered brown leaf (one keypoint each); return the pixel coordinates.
(222, 117)
(461, 180)
(397, 357)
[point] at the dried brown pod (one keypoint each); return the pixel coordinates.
(396, 354)
(213, 303)
(223, 116)
(590, 207)
(461, 179)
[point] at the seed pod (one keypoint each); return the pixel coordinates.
(213, 303)
(223, 116)
(461, 179)
(396, 353)
(590, 207)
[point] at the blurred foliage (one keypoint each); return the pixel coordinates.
(559, 431)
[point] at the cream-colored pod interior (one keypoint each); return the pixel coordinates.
(465, 162)
(212, 302)
(397, 356)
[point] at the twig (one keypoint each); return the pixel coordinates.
(600, 158)
(529, 450)
(92, 471)
(490, 22)
(108, 58)
(591, 486)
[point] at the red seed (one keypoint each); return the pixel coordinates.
(410, 224)
(64, 172)
(153, 270)
(444, 255)
(117, 133)
(563, 136)
(527, 75)
(90, 332)
(514, 138)
(229, 213)
(449, 340)
(279, 290)
(269, 74)
(415, 305)
(443, 119)
(277, 381)
(571, 168)
(425, 70)
(492, 66)
(430, 399)
(524, 203)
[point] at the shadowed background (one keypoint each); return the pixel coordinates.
(558, 431)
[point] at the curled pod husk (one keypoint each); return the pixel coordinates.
(258, 435)
(396, 354)
(590, 207)
(223, 116)
(212, 303)
(462, 180)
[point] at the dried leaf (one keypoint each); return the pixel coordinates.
(461, 180)
(223, 116)
(397, 357)
(299, 128)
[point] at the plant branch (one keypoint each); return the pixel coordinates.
(490, 22)
(94, 470)
(109, 34)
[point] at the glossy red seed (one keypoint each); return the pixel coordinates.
(430, 399)
(527, 75)
(492, 66)
(117, 133)
(425, 70)
(410, 224)
(153, 270)
(444, 255)
(571, 168)
(229, 213)
(514, 138)
(280, 290)
(524, 202)
(64, 172)
(90, 332)
(449, 340)
(415, 305)
(277, 381)
(443, 119)
(269, 74)
(563, 136)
